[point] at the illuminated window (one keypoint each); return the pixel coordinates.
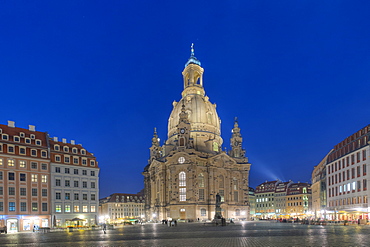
(34, 177)
(182, 179)
(11, 206)
(10, 162)
(201, 194)
(215, 146)
(182, 194)
(201, 180)
(92, 209)
(67, 208)
(44, 178)
(76, 208)
(203, 212)
(84, 209)
(58, 208)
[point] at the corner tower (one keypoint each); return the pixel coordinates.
(204, 122)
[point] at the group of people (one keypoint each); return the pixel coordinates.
(169, 222)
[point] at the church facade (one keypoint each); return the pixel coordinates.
(184, 175)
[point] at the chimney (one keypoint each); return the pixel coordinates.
(31, 128)
(73, 142)
(11, 124)
(64, 140)
(55, 139)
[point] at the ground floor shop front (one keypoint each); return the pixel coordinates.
(24, 223)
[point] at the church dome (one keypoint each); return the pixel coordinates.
(202, 115)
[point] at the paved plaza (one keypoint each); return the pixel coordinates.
(261, 233)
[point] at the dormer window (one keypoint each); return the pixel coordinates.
(27, 140)
(92, 163)
(38, 142)
(1, 131)
(56, 147)
(66, 149)
(32, 136)
(83, 151)
(74, 150)
(21, 134)
(16, 138)
(5, 137)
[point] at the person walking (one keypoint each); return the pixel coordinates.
(104, 228)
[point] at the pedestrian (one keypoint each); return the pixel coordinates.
(104, 228)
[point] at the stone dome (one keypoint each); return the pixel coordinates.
(202, 115)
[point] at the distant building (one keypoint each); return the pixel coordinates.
(298, 199)
(265, 194)
(283, 200)
(318, 188)
(347, 177)
(28, 180)
(280, 198)
(121, 208)
(252, 203)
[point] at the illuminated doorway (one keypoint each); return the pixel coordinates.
(182, 214)
(12, 225)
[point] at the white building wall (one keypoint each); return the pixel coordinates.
(89, 204)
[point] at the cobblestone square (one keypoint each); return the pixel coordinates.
(262, 233)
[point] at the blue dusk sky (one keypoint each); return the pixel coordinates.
(105, 73)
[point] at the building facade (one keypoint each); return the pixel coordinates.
(298, 201)
(265, 194)
(74, 184)
(347, 178)
(122, 208)
(185, 174)
(26, 180)
(318, 189)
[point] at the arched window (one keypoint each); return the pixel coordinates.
(215, 146)
(182, 179)
(182, 184)
(235, 184)
(201, 180)
(221, 181)
(203, 212)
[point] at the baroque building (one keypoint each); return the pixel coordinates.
(184, 175)
(122, 208)
(45, 183)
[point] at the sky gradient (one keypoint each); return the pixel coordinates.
(105, 73)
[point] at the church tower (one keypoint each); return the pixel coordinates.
(184, 176)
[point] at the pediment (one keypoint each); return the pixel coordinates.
(222, 160)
